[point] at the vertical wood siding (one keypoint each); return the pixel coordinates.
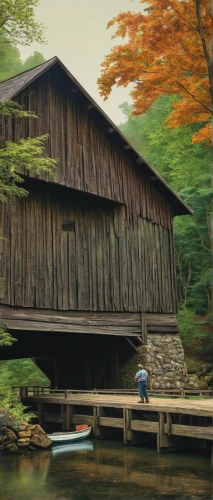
(103, 265)
(90, 158)
(119, 258)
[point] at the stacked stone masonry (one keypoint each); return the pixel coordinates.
(163, 358)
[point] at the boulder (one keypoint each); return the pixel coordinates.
(5, 418)
(7, 435)
(23, 443)
(22, 438)
(25, 434)
(41, 441)
(12, 448)
(37, 429)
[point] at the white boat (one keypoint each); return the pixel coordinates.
(67, 437)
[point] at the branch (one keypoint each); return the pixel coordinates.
(185, 20)
(201, 32)
(178, 83)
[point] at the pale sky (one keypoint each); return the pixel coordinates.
(76, 33)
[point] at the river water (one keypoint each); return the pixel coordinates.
(105, 470)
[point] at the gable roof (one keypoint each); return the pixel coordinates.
(12, 87)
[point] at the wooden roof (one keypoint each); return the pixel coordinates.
(12, 87)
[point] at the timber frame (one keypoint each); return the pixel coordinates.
(87, 260)
(170, 422)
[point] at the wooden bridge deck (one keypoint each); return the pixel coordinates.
(171, 420)
(199, 407)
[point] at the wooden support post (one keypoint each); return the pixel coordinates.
(211, 462)
(160, 432)
(41, 414)
(144, 328)
(169, 423)
(127, 417)
(97, 412)
(23, 392)
(66, 413)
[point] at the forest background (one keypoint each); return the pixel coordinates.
(186, 167)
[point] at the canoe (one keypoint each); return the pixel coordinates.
(67, 437)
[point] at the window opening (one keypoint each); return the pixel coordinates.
(68, 225)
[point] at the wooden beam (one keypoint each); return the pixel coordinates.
(71, 317)
(54, 418)
(191, 431)
(41, 414)
(127, 146)
(144, 426)
(111, 422)
(127, 417)
(71, 328)
(82, 419)
(144, 328)
(131, 343)
(166, 329)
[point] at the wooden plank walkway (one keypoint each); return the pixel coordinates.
(171, 420)
(200, 407)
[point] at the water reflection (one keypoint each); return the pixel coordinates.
(70, 448)
(104, 470)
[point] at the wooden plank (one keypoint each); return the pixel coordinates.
(82, 419)
(144, 426)
(69, 328)
(111, 422)
(191, 431)
(185, 407)
(166, 329)
(74, 317)
(53, 418)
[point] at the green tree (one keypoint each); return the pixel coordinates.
(17, 22)
(33, 61)
(10, 60)
(18, 25)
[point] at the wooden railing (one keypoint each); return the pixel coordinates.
(27, 391)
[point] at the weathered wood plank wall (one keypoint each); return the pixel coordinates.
(95, 267)
(91, 160)
(117, 259)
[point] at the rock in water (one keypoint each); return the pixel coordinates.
(40, 441)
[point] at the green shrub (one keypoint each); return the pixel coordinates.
(10, 401)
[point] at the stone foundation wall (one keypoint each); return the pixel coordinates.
(163, 358)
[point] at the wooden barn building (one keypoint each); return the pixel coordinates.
(87, 259)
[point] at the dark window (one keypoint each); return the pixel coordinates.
(68, 225)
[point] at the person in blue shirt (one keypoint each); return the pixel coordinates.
(141, 378)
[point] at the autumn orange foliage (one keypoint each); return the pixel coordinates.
(164, 50)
